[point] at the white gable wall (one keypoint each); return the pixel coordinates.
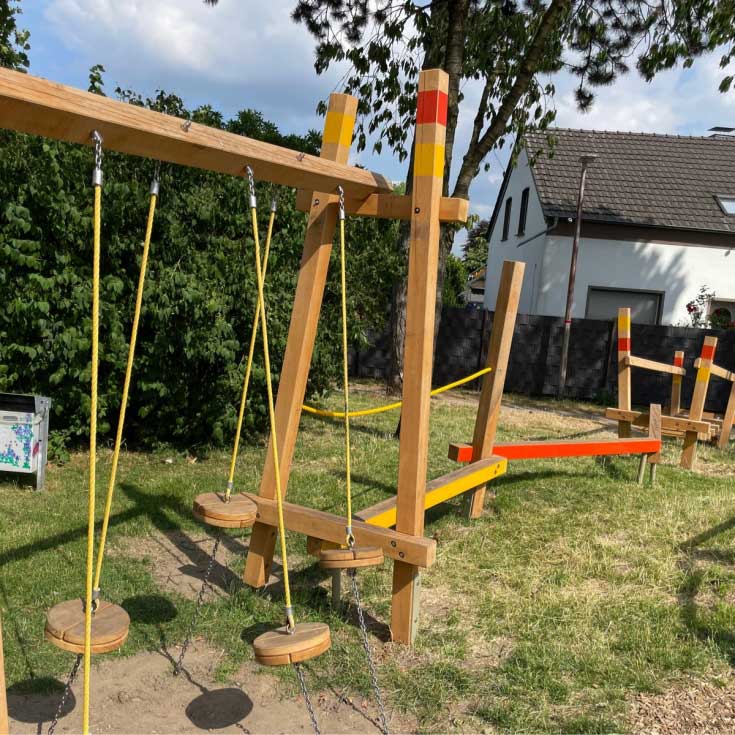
(531, 253)
(678, 271)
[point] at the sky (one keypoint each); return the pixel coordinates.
(249, 53)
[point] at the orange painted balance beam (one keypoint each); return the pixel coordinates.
(550, 449)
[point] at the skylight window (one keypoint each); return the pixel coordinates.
(727, 204)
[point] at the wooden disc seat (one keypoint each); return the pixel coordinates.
(354, 558)
(65, 626)
(214, 510)
(280, 647)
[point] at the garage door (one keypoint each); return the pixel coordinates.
(603, 303)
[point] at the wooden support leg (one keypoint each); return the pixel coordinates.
(701, 385)
(727, 420)
(336, 138)
(642, 468)
(493, 384)
(4, 724)
(419, 343)
(624, 388)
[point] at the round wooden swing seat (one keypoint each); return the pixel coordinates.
(65, 626)
(354, 558)
(214, 510)
(280, 648)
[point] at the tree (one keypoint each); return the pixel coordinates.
(13, 41)
(474, 249)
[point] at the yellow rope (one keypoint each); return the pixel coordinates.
(92, 453)
(271, 406)
(126, 388)
(345, 368)
(248, 369)
(397, 404)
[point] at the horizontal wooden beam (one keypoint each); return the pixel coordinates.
(552, 448)
(440, 490)
(390, 206)
(416, 550)
(717, 371)
(32, 105)
(668, 423)
(658, 367)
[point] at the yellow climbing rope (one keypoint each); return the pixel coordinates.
(345, 367)
(397, 404)
(126, 385)
(271, 403)
(97, 184)
(251, 351)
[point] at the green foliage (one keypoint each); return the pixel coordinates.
(200, 291)
(474, 249)
(455, 280)
(14, 44)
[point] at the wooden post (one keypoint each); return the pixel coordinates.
(336, 140)
(624, 370)
(493, 384)
(696, 411)
(727, 420)
(428, 173)
(4, 724)
(676, 384)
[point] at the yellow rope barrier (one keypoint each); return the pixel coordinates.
(271, 406)
(248, 369)
(126, 384)
(392, 406)
(97, 182)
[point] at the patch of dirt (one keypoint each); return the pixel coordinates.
(178, 561)
(700, 707)
(140, 695)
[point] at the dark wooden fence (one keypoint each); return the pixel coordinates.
(536, 352)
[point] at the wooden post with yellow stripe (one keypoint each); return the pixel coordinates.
(624, 370)
(675, 408)
(699, 396)
(428, 176)
(320, 229)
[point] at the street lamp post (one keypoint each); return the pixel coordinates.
(585, 160)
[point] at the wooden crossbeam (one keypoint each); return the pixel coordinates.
(389, 206)
(440, 490)
(32, 105)
(717, 371)
(415, 550)
(549, 449)
(673, 423)
(658, 367)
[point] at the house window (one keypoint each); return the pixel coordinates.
(506, 219)
(603, 303)
(727, 204)
(523, 212)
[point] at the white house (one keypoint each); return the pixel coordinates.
(658, 224)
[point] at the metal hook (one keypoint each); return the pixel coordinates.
(155, 183)
(97, 177)
(341, 193)
(251, 187)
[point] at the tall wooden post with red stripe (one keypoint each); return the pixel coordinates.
(624, 370)
(698, 398)
(428, 175)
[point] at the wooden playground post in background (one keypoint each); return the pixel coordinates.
(696, 411)
(675, 407)
(493, 384)
(624, 377)
(336, 141)
(423, 259)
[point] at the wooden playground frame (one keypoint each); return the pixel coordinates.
(692, 425)
(39, 107)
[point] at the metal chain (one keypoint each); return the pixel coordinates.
(69, 681)
(352, 574)
(198, 607)
(307, 699)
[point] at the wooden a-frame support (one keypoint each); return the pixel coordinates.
(32, 105)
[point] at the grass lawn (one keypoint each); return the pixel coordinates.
(575, 591)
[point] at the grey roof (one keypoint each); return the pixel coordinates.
(639, 178)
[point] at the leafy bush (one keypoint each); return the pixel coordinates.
(200, 291)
